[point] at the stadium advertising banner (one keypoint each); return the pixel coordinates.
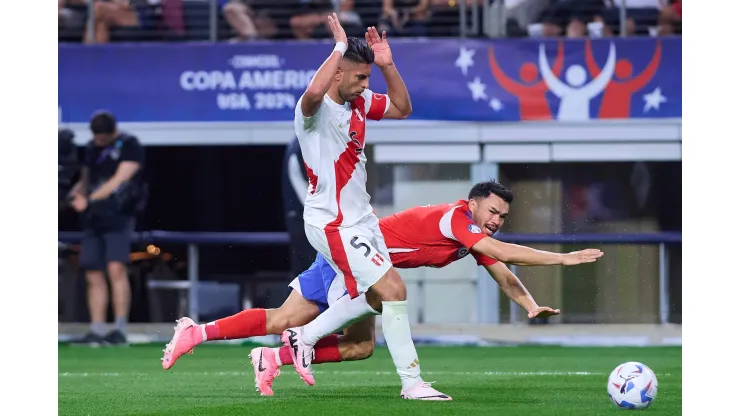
(449, 80)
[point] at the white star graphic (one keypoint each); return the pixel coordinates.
(653, 100)
(477, 88)
(496, 104)
(465, 59)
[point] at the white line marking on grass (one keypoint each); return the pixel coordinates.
(354, 373)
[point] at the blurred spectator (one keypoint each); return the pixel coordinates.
(247, 23)
(670, 18)
(445, 18)
(405, 17)
(113, 14)
(108, 195)
(310, 15)
(172, 15)
(136, 20)
(72, 14)
(642, 15)
(568, 17)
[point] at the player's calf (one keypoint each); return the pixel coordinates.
(355, 351)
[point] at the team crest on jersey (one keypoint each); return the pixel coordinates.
(462, 252)
(474, 229)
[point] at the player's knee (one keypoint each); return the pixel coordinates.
(393, 288)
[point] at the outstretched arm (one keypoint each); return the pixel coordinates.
(321, 82)
(526, 256)
(400, 106)
(515, 290)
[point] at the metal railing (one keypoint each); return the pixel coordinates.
(194, 240)
(205, 20)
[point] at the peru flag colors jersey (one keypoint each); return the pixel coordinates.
(432, 236)
(332, 142)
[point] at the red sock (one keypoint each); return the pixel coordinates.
(326, 351)
(245, 324)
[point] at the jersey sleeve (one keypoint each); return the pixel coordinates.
(307, 124)
(457, 226)
(376, 105)
(482, 259)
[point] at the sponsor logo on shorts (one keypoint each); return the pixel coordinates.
(462, 252)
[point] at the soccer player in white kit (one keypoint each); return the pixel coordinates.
(339, 221)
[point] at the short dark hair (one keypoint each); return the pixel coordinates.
(485, 189)
(103, 122)
(358, 51)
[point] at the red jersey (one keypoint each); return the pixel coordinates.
(432, 236)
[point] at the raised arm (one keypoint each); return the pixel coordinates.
(321, 81)
(400, 105)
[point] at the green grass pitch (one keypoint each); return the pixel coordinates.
(218, 380)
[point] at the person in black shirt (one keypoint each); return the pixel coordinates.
(295, 187)
(106, 196)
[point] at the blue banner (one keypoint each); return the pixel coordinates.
(449, 79)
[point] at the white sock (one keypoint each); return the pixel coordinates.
(277, 356)
(397, 332)
(203, 330)
(340, 315)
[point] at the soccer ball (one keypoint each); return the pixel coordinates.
(632, 385)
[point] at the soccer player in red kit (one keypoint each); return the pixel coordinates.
(432, 236)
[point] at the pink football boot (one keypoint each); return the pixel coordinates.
(188, 334)
(265, 369)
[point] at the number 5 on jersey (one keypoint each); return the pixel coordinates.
(365, 245)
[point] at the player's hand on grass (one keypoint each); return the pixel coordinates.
(336, 29)
(588, 255)
(380, 47)
(542, 312)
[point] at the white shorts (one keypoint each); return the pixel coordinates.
(358, 252)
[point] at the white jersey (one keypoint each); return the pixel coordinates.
(332, 143)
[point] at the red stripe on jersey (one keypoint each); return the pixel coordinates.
(344, 167)
(339, 256)
(313, 180)
(377, 106)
